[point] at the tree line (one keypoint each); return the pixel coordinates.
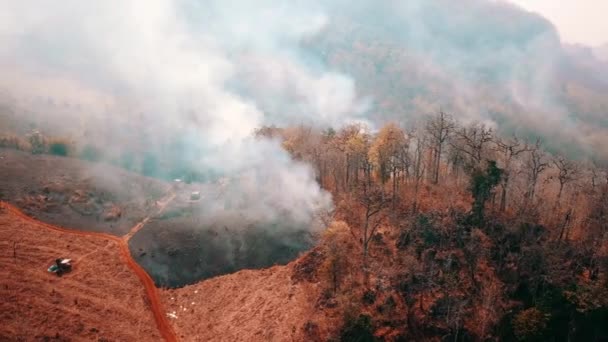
(462, 215)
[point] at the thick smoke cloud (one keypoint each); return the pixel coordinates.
(485, 61)
(175, 88)
(209, 72)
(204, 72)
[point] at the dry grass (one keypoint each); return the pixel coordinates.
(100, 299)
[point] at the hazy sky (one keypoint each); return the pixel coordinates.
(578, 21)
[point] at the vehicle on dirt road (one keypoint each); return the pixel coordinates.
(61, 266)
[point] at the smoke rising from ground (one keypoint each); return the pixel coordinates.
(205, 73)
(192, 79)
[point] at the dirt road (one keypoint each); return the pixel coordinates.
(162, 204)
(165, 328)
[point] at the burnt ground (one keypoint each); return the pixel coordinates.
(77, 194)
(192, 241)
(188, 242)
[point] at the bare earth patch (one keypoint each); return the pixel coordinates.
(100, 300)
(250, 305)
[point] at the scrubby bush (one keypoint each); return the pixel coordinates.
(38, 143)
(481, 185)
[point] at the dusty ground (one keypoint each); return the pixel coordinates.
(77, 194)
(100, 300)
(251, 305)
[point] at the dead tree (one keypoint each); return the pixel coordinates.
(374, 205)
(565, 225)
(472, 141)
(419, 167)
(352, 142)
(597, 175)
(508, 149)
(568, 171)
(537, 164)
(439, 128)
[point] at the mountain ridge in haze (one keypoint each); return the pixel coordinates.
(489, 62)
(483, 61)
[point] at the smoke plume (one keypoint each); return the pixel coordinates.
(198, 76)
(190, 80)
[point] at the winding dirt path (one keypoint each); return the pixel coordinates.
(162, 204)
(165, 328)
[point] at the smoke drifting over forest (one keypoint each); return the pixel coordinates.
(191, 80)
(171, 71)
(486, 61)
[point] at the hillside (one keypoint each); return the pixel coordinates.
(378, 170)
(187, 242)
(484, 61)
(76, 193)
(101, 299)
(253, 305)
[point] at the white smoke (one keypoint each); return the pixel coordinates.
(171, 67)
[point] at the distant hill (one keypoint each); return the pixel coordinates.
(482, 61)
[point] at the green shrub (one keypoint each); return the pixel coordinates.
(59, 147)
(481, 186)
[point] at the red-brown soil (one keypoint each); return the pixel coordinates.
(250, 305)
(101, 299)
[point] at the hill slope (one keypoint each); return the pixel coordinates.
(75, 193)
(273, 304)
(101, 299)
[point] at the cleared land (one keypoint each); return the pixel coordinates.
(102, 299)
(280, 303)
